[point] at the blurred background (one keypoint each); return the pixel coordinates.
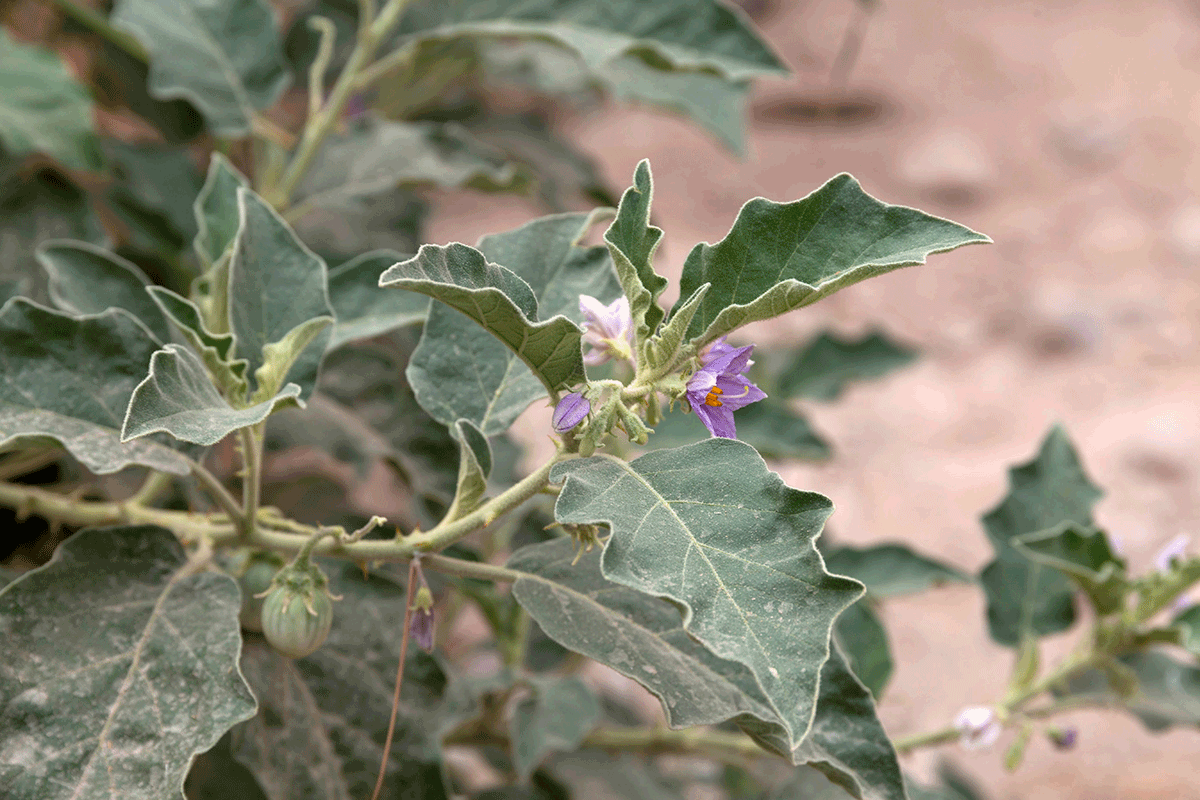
(1066, 131)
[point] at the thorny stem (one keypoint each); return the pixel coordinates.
(370, 36)
(387, 744)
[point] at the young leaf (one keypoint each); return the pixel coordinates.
(561, 712)
(702, 35)
(778, 257)
(889, 570)
(178, 397)
(377, 156)
(1086, 557)
(86, 279)
(185, 316)
(462, 372)
(860, 633)
(709, 527)
(474, 467)
(643, 638)
(120, 667)
(278, 293)
(823, 368)
(43, 109)
(1026, 597)
(216, 209)
(224, 56)
(632, 240)
(362, 310)
(324, 718)
(70, 379)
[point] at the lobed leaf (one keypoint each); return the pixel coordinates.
(460, 371)
(86, 279)
(223, 56)
(70, 379)
(860, 633)
(1027, 598)
(711, 529)
(121, 666)
(823, 368)
(43, 108)
(178, 397)
(474, 467)
(631, 241)
(778, 257)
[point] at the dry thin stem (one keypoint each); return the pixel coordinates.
(387, 744)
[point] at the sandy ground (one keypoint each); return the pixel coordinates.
(1066, 132)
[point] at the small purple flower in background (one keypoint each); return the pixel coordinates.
(421, 623)
(1064, 740)
(719, 388)
(1174, 549)
(570, 411)
(607, 329)
(979, 726)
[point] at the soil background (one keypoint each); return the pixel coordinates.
(1066, 131)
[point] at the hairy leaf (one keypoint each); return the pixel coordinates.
(223, 56)
(86, 279)
(70, 379)
(889, 570)
(178, 397)
(325, 716)
(120, 667)
(43, 108)
(643, 638)
(1086, 557)
(778, 257)
(1025, 598)
(362, 310)
(556, 718)
(687, 34)
(277, 288)
(710, 528)
(474, 467)
(632, 240)
(461, 372)
(860, 633)
(823, 368)
(216, 209)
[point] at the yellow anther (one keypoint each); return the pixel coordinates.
(711, 399)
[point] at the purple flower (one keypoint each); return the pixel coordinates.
(420, 626)
(979, 726)
(1064, 740)
(607, 329)
(1176, 549)
(570, 411)
(719, 388)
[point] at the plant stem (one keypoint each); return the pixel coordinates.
(733, 748)
(387, 744)
(99, 24)
(27, 461)
(369, 38)
(218, 491)
(156, 485)
(906, 744)
(251, 440)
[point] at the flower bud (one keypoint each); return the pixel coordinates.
(570, 411)
(1063, 739)
(420, 626)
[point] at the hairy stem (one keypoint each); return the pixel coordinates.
(251, 440)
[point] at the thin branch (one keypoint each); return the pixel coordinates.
(316, 73)
(96, 22)
(217, 491)
(387, 743)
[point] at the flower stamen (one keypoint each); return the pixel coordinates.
(711, 399)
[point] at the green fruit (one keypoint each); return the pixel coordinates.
(257, 572)
(296, 622)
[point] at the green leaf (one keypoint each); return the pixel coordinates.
(823, 368)
(70, 379)
(770, 427)
(185, 316)
(86, 279)
(687, 34)
(224, 56)
(157, 181)
(1026, 598)
(498, 299)
(889, 570)
(324, 718)
(377, 156)
(35, 207)
(43, 109)
(178, 397)
(462, 372)
(474, 467)
(623, 775)
(644, 638)
(556, 718)
(120, 667)
(1168, 691)
(362, 310)
(1086, 557)
(124, 78)
(1188, 623)
(216, 209)
(860, 633)
(710, 528)
(632, 240)
(278, 291)
(778, 257)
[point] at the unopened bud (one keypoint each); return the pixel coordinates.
(420, 626)
(570, 411)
